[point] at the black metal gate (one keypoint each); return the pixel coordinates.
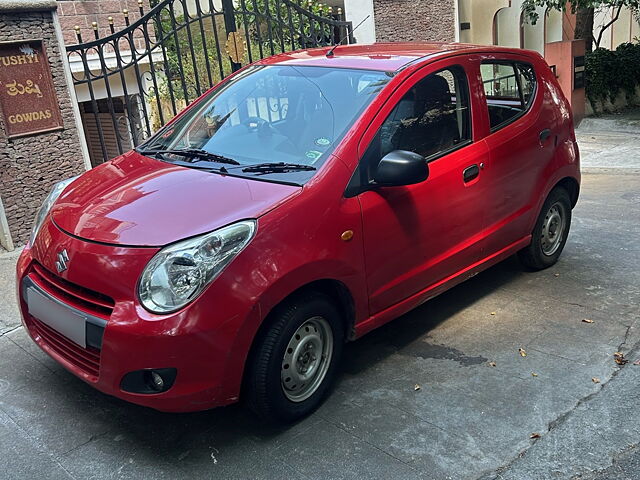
(136, 79)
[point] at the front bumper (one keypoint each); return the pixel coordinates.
(100, 284)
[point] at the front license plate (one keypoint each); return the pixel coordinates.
(62, 319)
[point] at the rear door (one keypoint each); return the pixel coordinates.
(521, 139)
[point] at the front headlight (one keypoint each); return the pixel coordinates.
(56, 190)
(177, 274)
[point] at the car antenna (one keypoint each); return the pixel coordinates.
(329, 54)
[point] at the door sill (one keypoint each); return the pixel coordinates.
(437, 288)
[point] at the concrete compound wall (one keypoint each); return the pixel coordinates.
(623, 101)
(30, 165)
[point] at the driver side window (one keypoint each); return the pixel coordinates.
(432, 119)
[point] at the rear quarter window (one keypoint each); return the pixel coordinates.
(509, 88)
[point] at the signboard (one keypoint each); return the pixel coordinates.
(578, 72)
(27, 98)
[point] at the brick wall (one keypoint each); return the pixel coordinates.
(414, 20)
(29, 166)
(84, 12)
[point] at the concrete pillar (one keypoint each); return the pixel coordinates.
(356, 11)
(32, 156)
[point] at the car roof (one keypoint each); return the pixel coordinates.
(381, 56)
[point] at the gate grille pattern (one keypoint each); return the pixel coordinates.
(140, 77)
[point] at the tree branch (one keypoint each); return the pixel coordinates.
(607, 25)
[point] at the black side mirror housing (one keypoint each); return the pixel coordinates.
(400, 167)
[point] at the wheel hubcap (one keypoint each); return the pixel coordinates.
(553, 229)
(306, 359)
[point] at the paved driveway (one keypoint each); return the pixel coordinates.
(467, 419)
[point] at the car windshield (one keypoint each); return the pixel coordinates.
(270, 115)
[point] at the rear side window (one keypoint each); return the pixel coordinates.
(509, 88)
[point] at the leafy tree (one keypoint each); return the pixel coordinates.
(611, 72)
(584, 10)
(288, 22)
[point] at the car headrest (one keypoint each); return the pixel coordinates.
(432, 93)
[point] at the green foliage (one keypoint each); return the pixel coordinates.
(610, 72)
(529, 6)
(285, 24)
(193, 54)
(588, 6)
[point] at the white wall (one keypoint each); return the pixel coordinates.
(5, 234)
(554, 26)
(534, 34)
(600, 18)
(508, 20)
(355, 11)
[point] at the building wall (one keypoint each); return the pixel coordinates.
(554, 31)
(507, 23)
(84, 12)
(29, 166)
(415, 20)
(480, 16)
(623, 30)
(552, 27)
(356, 11)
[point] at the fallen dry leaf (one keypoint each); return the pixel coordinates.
(587, 320)
(492, 364)
(416, 387)
(534, 374)
(534, 435)
(619, 358)
(522, 352)
(595, 380)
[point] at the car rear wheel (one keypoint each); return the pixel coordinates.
(550, 233)
(295, 358)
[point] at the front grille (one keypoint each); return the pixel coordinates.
(86, 359)
(79, 297)
(92, 303)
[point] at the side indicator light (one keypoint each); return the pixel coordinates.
(347, 235)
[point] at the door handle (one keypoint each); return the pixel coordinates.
(470, 173)
(544, 134)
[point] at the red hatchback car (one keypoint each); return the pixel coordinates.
(302, 202)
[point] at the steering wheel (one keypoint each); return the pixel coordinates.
(258, 124)
(263, 127)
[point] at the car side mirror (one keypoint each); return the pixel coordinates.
(401, 167)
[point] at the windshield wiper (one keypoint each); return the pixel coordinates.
(196, 154)
(280, 167)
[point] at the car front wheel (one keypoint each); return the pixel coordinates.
(295, 358)
(550, 232)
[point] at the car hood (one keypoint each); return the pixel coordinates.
(139, 201)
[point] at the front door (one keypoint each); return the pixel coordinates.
(420, 235)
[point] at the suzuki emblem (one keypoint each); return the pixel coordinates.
(63, 261)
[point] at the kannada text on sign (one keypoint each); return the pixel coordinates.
(27, 96)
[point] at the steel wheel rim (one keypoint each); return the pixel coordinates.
(306, 359)
(553, 228)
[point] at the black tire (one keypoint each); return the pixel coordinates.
(541, 253)
(265, 380)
